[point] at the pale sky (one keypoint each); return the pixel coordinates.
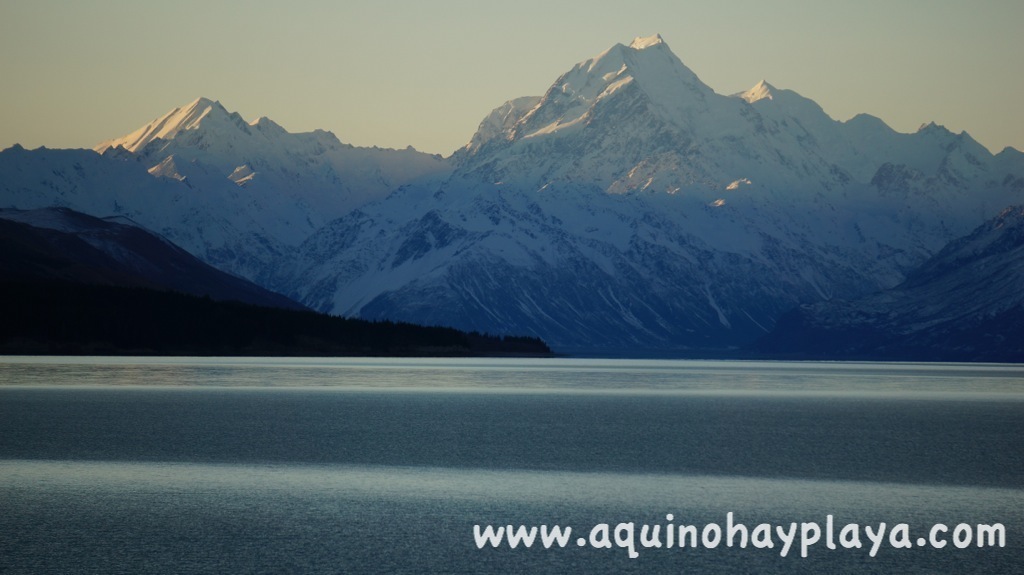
(394, 73)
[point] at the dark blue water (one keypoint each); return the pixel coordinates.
(295, 466)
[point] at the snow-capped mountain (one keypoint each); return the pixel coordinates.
(313, 170)
(632, 207)
(628, 208)
(237, 194)
(965, 303)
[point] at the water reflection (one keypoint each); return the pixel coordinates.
(558, 374)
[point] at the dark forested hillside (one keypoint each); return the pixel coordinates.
(64, 318)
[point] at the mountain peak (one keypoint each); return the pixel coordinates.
(266, 125)
(178, 120)
(203, 102)
(646, 69)
(761, 91)
(642, 43)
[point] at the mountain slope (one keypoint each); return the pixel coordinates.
(964, 304)
(58, 244)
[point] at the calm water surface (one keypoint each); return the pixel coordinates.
(192, 465)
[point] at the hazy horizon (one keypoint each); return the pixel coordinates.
(399, 73)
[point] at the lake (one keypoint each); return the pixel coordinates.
(268, 465)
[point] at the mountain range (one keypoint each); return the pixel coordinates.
(629, 209)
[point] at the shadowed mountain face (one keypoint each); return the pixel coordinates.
(64, 245)
(966, 303)
(628, 209)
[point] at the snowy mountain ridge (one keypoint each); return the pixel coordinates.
(204, 140)
(167, 126)
(237, 194)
